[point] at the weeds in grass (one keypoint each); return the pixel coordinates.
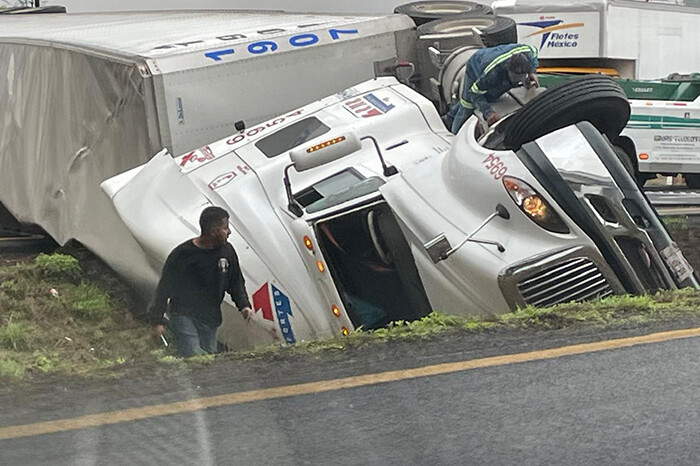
(77, 330)
(87, 301)
(58, 266)
(10, 368)
(614, 310)
(675, 222)
(13, 289)
(15, 335)
(83, 330)
(45, 362)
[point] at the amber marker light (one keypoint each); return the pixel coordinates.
(307, 242)
(320, 266)
(535, 207)
(324, 144)
(643, 156)
(345, 331)
(335, 310)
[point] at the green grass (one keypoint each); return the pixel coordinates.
(15, 335)
(614, 311)
(58, 266)
(9, 368)
(83, 330)
(675, 222)
(79, 328)
(90, 302)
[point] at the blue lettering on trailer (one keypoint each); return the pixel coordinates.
(216, 56)
(335, 33)
(265, 46)
(302, 40)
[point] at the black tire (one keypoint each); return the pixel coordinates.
(625, 160)
(596, 99)
(627, 145)
(495, 30)
(692, 180)
(34, 11)
(424, 12)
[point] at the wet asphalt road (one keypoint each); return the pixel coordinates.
(629, 406)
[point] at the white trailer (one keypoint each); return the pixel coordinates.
(87, 96)
(642, 40)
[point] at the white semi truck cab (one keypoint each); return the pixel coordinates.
(362, 208)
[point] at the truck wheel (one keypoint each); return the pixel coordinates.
(423, 12)
(495, 30)
(596, 99)
(625, 160)
(692, 180)
(627, 146)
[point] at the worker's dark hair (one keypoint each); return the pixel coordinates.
(210, 217)
(519, 64)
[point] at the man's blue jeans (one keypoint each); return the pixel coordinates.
(192, 337)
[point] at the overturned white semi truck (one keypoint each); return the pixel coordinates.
(362, 208)
(86, 97)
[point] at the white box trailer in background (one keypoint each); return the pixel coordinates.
(87, 96)
(642, 40)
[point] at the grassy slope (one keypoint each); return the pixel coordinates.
(85, 331)
(75, 330)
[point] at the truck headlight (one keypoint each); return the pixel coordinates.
(533, 205)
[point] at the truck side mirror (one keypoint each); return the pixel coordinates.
(439, 248)
(502, 211)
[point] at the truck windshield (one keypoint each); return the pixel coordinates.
(291, 136)
(336, 189)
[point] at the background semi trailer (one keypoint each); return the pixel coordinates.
(662, 135)
(640, 39)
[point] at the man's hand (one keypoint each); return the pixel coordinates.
(492, 118)
(158, 330)
(531, 81)
(247, 313)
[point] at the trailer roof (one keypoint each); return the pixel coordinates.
(159, 34)
(548, 6)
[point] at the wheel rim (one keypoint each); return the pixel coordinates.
(444, 8)
(462, 26)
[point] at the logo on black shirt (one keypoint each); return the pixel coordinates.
(223, 265)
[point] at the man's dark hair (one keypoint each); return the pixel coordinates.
(211, 217)
(519, 64)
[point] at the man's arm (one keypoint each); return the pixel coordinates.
(159, 305)
(237, 288)
(533, 59)
(477, 95)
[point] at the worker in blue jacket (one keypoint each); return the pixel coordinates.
(491, 72)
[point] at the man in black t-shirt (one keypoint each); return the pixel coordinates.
(195, 277)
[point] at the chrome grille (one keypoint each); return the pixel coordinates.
(574, 280)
